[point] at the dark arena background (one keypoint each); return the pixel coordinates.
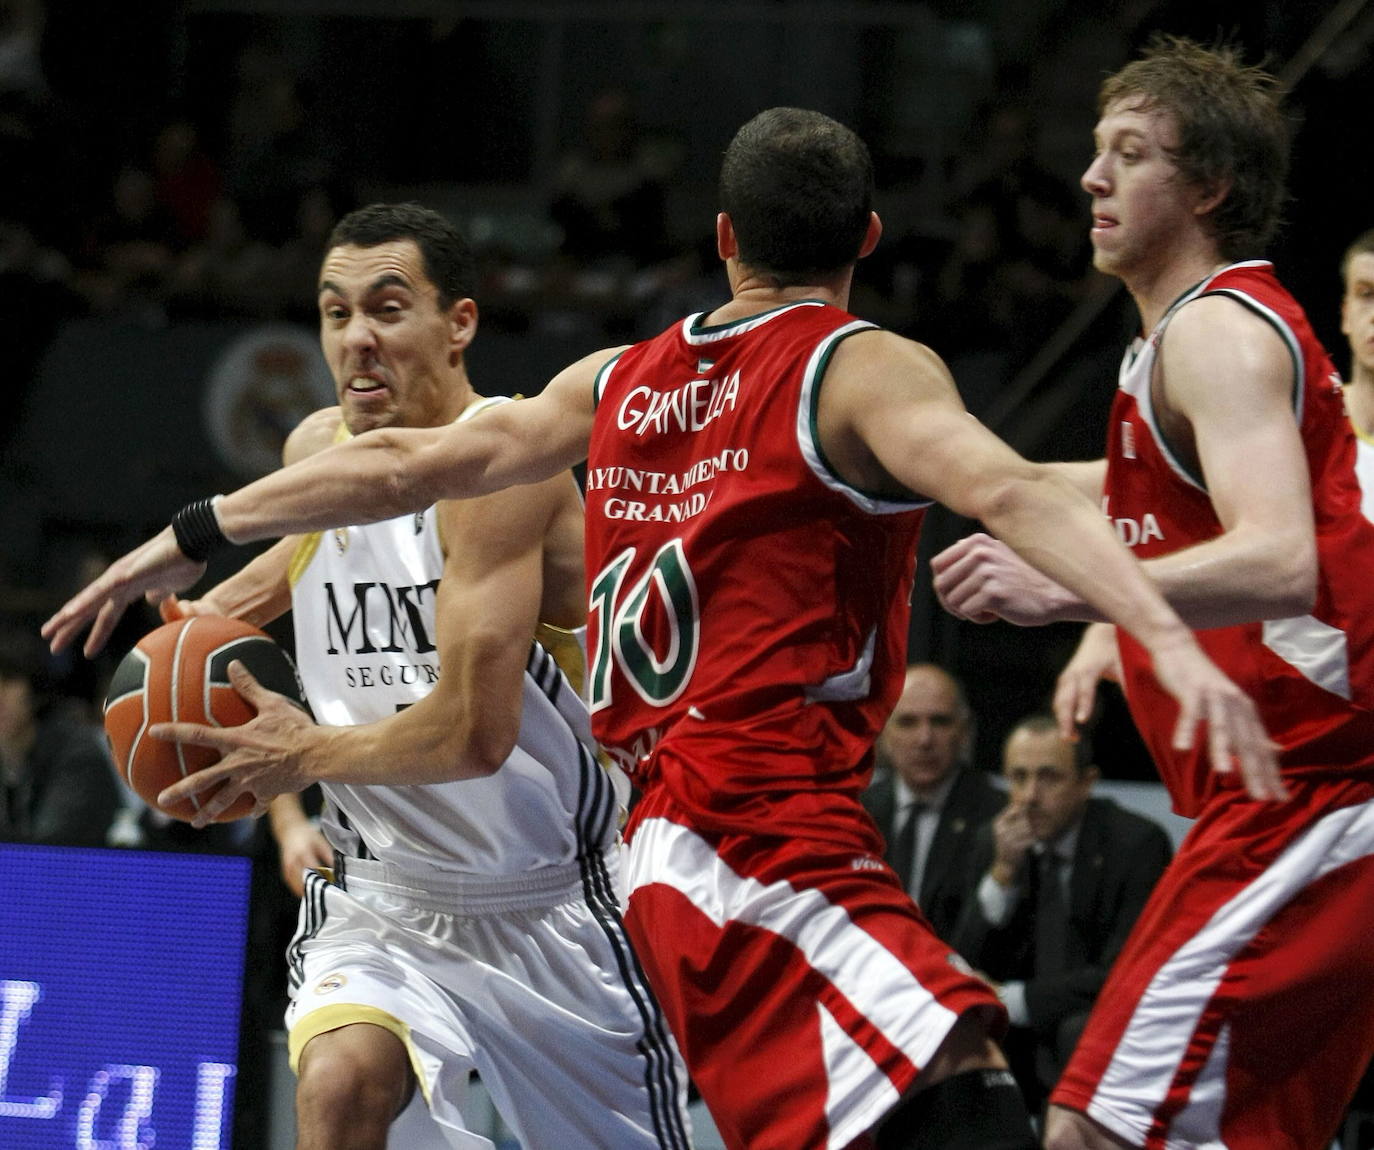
(171, 171)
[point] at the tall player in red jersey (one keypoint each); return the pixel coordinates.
(755, 482)
(1241, 1013)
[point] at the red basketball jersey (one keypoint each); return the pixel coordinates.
(1311, 676)
(748, 608)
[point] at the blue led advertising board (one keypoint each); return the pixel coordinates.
(121, 977)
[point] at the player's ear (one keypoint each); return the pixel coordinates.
(872, 235)
(727, 245)
(462, 320)
(1210, 196)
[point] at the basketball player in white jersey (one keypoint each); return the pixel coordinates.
(471, 919)
(1357, 324)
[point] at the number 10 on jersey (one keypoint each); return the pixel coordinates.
(650, 627)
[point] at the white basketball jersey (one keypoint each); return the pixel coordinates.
(1364, 471)
(363, 604)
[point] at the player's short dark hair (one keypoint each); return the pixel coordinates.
(444, 251)
(1363, 245)
(1043, 723)
(798, 188)
(1230, 127)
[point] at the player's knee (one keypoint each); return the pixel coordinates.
(352, 1089)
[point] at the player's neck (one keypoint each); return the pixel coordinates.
(753, 293)
(1155, 290)
(457, 398)
(1359, 401)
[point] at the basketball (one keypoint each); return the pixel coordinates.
(180, 673)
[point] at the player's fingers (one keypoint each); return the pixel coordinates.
(956, 551)
(1070, 705)
(211, 791)
(170, 609)
(294, 879)
(1257, 758)
(1220, 742)
(1185, 730)
(193, 788)
(218, 738)
(103, 627)
(243, 682)
(63, 626)
(213, 807)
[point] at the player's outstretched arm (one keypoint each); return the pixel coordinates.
(372, 477)
(889, 412)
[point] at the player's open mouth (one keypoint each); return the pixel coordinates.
(361, 384)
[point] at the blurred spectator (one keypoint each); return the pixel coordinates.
(297, 271)
(609, 192)
(275, 153)
(931, 801)
(57, 781)
(129, 248)
(186, 181)
(1064, 876)
(230, 272)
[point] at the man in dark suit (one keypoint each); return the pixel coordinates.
(930, 800)
(1063, 878)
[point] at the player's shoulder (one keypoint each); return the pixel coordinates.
(878, 365)
(1214, 330)
(1218, 311)
(318, 430)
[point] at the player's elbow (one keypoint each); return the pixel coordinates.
(486, 751)
(1293, 577)
(488, 738)
(1019, 495)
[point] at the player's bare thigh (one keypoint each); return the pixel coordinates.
(1069, 1130)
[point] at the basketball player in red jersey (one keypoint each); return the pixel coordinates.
(755, 483)
(1241, 1013)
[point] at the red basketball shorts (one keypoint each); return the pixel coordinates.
(805, 989)
(1241, 1012)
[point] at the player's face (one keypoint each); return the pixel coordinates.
(1357, 312)
(1043, 780)
(1143, 210)
(926, 733)
(391, 350)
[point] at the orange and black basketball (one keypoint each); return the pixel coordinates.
(180, 673)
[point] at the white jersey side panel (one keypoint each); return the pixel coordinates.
(1364, 472)
(364, 613)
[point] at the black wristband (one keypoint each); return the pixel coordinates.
(197, 529)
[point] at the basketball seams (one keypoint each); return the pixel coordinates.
(177, 655)
(182, 677)
(131, 758)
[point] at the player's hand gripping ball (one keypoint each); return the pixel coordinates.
(180, 673)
